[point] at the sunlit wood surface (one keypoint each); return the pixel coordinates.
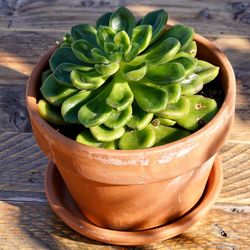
(28, 28)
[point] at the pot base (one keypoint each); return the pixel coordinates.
(63, 205)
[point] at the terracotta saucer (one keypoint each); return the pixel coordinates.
(63, 205)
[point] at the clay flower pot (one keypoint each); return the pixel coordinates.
(137, 189)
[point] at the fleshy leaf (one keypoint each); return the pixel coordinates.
(163, 52)
(107, 69)
(142, 35)
(206, 71)
(45, 74)
(105, 134)
(62, 72)
(122, 41)
(164, 134)
(103, 20)
(120, 96)
(63, 55)
(119, 119)
(192, 85)
(87, 80)
(99, 56)
(84, 31)
(50, 113)
(95, 111)
(105, 34)
(191, 49)
(163, 121)
(54, 92)
(201, 111)
(140, 118)
(189, 63)
(134, 73)
(182, 33)
(71, 106)
(122, 19)
(174, 92)
(137, 139)
(85, 137)
(109, 48)
(134, 51)
(82, 50)
(176, 110)
(157, 19)
(166, 73)
(150, 98)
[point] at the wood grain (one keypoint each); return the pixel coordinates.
(214, 18)
(34, 226)
(28, 28)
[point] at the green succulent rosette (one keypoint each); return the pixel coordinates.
(128, 85)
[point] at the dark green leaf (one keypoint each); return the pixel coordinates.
(119, 119)
(63, 55)
(103, 20)
(54, 92)
(140, 118)
(105, 35)
(104, 134)
(62, 72)
(174, 92)
(141, 36)
(162, 53)
(138, 139)
(71, 106)
(84, 31)
(122, 41)
(134, 73)
(96, 111)
(150, 98)
(166, 73)
(85, 137)
(164, 134)
(182, 33)
(107, 69)
(189, 63)
(82, 50)
(157, 19)
(120, 96)
(99, 55)
(87, 80)
(122, 19)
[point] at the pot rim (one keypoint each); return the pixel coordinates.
(229, 100)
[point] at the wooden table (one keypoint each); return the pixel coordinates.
(28, 29)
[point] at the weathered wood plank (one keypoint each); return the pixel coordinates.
(34, 226)
(210, 18)
(22, 167)
(31, 14)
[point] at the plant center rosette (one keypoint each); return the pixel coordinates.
(128, 85)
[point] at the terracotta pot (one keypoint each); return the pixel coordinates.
(137, 189)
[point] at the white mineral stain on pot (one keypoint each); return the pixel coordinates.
(167, 157)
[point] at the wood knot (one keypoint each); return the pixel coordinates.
(204, 13)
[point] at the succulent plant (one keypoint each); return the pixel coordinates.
(129, 84)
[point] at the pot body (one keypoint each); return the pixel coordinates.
(137, 189)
